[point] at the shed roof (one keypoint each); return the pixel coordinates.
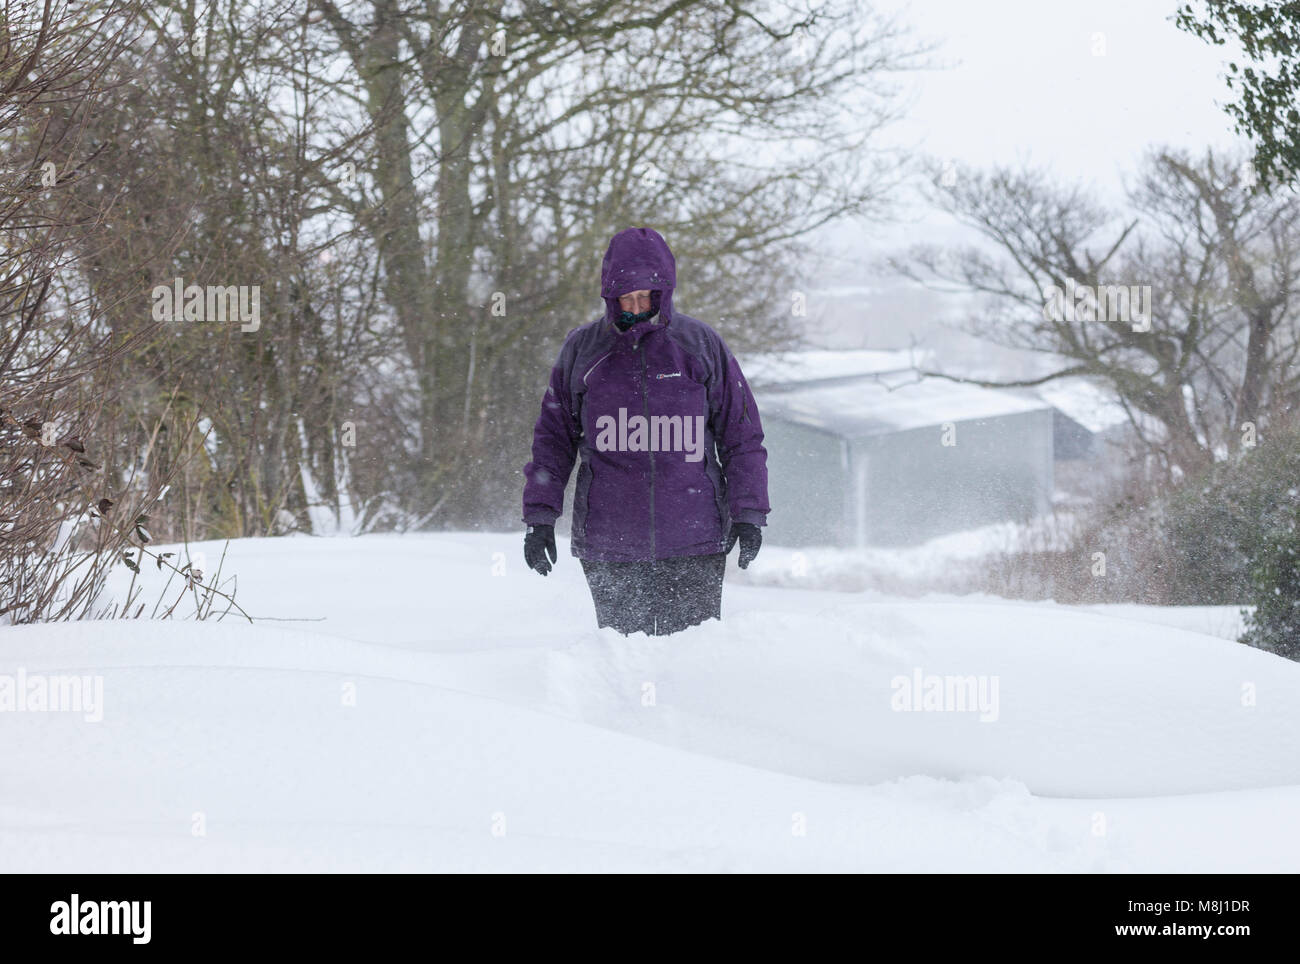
(1085, 401)
(875, 406)
(816, 365)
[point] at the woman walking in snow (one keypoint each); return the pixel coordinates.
(673, 472)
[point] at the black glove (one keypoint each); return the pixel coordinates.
(538, 543)
(750, 536)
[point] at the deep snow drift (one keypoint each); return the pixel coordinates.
(450, 710)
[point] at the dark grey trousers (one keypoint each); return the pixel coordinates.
(657, 598)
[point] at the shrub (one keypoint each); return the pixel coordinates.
(1274, 625)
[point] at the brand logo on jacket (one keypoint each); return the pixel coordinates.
(669, 375)
(658, 433)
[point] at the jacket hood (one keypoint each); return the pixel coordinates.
(638, 259)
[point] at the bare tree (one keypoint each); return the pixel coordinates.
(422, 193)
(1206, 361)
(62, 525)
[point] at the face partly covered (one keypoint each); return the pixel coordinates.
(637, 277)
(637, 302)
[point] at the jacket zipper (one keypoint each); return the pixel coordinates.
(645, 409)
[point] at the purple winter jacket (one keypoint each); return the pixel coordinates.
(664, 422)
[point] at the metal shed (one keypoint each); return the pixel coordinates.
(862, 452)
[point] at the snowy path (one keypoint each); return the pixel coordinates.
(494, 728)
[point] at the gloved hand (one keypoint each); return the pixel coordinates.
(539, 541)
(750, 536)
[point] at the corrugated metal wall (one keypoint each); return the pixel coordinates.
(999, 469)
(905, 487)
(808, 485)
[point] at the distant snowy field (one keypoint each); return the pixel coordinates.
(448, 710)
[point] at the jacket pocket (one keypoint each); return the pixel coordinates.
(577, 400)
(581, 490)
(714, 472)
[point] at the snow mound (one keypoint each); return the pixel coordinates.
(1077, 705)
(446, 709)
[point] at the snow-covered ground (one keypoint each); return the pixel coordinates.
(429, 704)
(907, 567)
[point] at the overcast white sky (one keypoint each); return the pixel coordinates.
(1025, 82)
(1083, 87)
